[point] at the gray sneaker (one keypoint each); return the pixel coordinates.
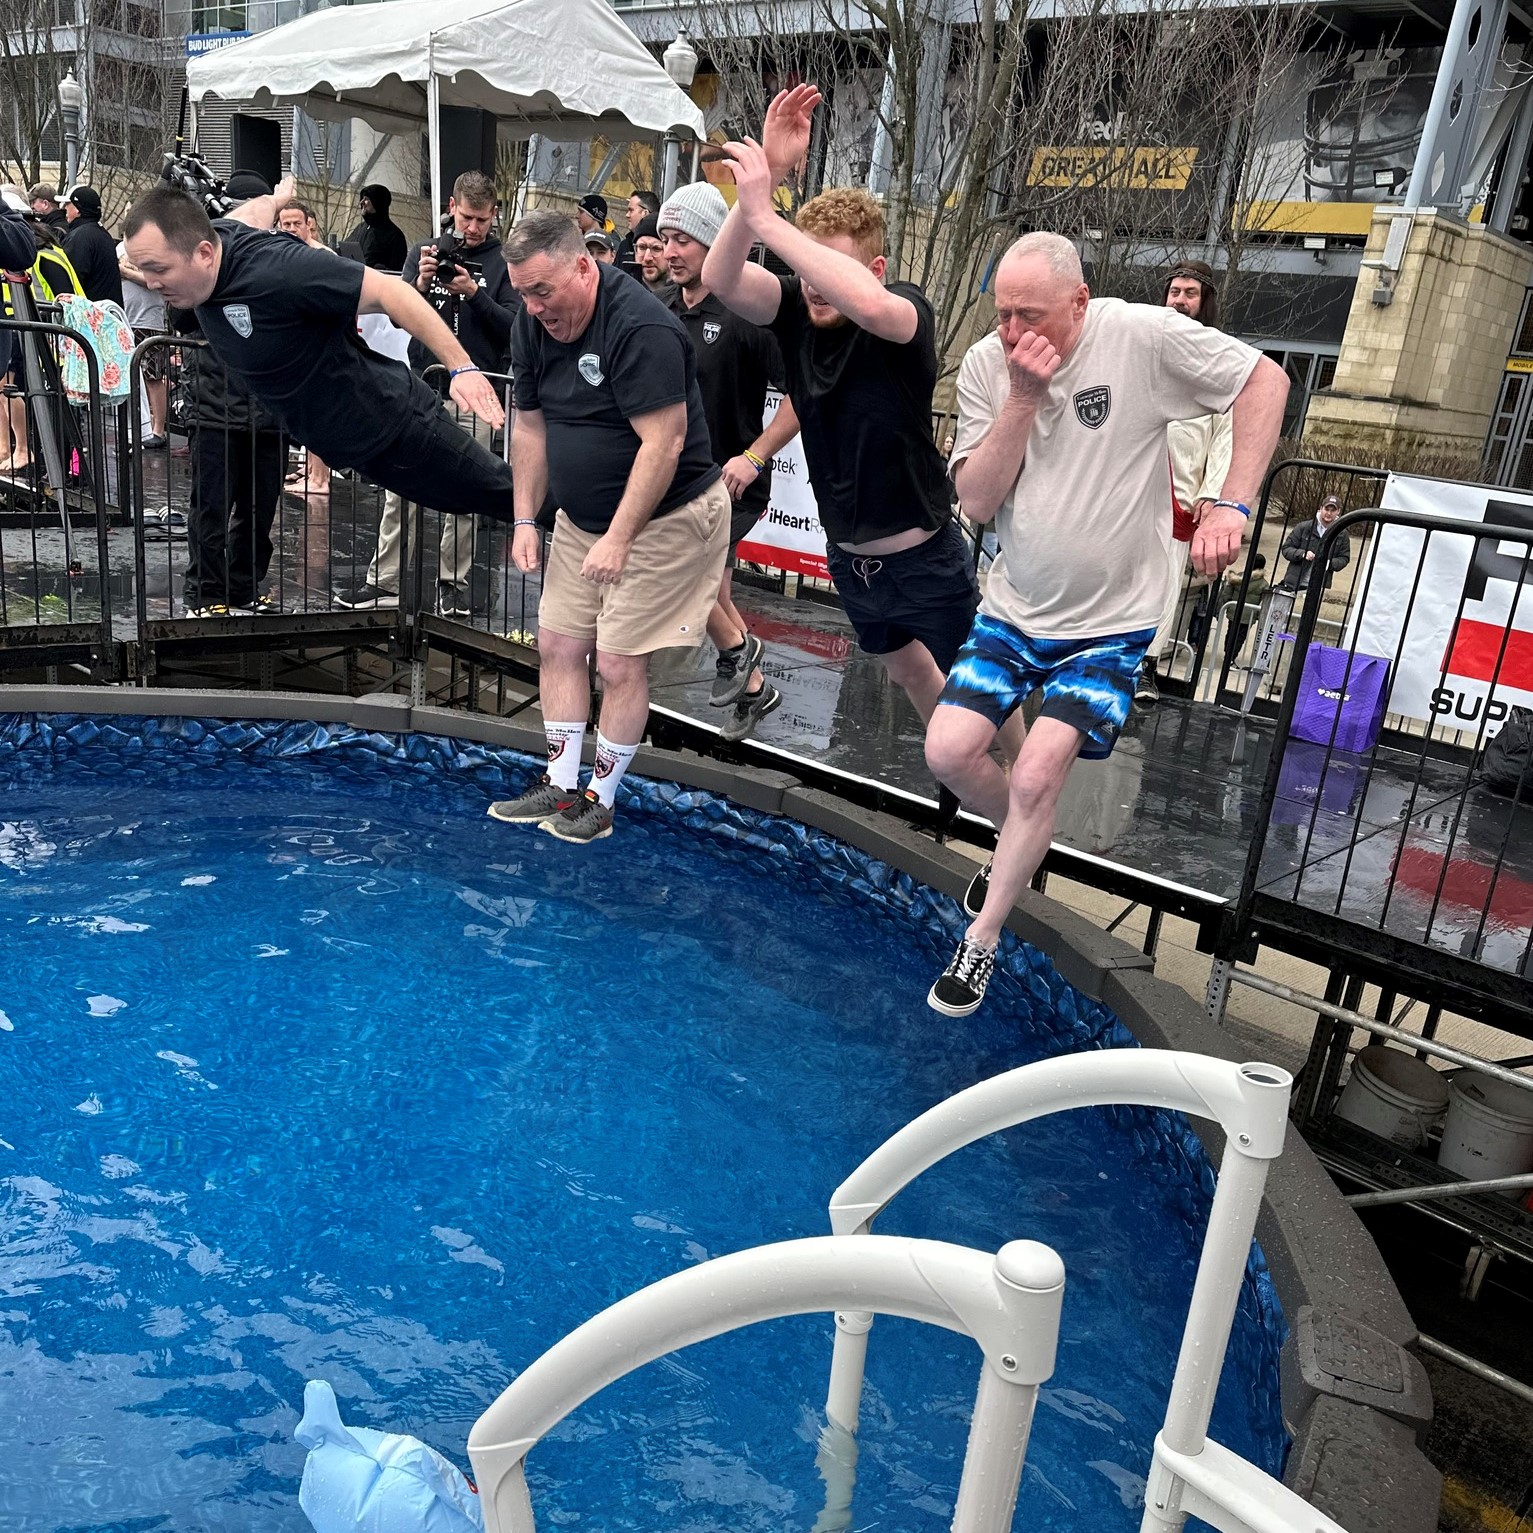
(749, 711)
(541, 800)
(732, 671)
(587, 819)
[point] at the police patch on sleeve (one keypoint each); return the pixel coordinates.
(238, 315)
(1093, 406)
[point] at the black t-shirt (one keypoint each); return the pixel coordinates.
(633, 358)
(864, 405)
(737, 362)
(285, 317)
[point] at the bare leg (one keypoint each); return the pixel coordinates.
(624, 698)
(158, 391)
(917, 673)
(1036, 782)
(564, 675)
(958, 742)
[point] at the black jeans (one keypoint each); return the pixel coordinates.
(236, 487)
(437, 464)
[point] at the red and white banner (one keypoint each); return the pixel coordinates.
(789, 535)
(1463, 634)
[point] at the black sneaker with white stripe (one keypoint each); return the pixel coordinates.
(979, 889)
(962, 986)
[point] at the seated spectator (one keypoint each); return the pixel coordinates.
(92, 251)
(382, 241)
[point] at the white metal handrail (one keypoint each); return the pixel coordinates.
(1249, 1101)
(1008, 1302)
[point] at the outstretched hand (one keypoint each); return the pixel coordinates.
(475, 392)
(785, 133)
(754, 180)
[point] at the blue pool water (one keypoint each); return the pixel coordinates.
(312, 1071)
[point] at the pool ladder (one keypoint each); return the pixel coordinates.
(1008, 1302)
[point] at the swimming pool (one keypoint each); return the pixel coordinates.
(316, 1072)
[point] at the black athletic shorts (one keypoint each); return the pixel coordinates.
(927, 593)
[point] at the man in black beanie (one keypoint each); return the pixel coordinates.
(383, 242)
(91, 250)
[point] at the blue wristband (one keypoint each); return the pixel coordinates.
(458, 372)
(1235, 505)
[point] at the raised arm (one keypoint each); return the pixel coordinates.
(261, 212)
(844, 282)
(750, 290)
(382, 294)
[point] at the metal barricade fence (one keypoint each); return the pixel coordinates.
(1396, 838)
(56, 567)
(1222, 623)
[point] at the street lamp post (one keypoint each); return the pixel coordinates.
(71, 99)
(680, 61)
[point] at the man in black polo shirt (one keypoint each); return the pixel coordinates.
(285, 318)
(609, 418)
(737, 362)
(861, 364)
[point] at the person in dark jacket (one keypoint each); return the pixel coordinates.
(1300, 547)
(238, 458)
(17, 251)
(383, 242)
(45, 204)
(91, 250)
(474, 296)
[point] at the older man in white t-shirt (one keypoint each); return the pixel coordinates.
(1062, 417)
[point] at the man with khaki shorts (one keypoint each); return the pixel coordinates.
(610, 420)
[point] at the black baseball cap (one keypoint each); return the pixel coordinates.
(595, 206)
(88, 200)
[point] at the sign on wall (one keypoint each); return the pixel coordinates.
(1467, 656)
(789, 535)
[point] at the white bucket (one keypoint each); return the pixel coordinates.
(1489, 1131)
(1394, 1095)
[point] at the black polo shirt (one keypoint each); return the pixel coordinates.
(737, 362)
(633, 358)
(285, 317)
(865, 411)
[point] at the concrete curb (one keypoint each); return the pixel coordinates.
(1355, 1453)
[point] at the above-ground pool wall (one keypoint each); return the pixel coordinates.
(1355, 1398)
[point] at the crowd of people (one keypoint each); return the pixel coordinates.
(1116, 447)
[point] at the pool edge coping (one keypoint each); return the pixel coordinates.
(1357, 1462)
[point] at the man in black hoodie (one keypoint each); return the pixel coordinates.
(473, 294)
(91, 250)
(382, 240)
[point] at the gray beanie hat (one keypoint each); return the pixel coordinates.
(698, 210)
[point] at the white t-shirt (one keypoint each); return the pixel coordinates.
(1085, 533)
(145, 309)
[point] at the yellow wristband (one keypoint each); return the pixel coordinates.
(751, 458)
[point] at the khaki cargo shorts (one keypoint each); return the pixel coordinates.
(668, 587)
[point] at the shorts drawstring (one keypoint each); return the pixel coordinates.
(866, 569)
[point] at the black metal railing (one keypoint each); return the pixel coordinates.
(1393, 846)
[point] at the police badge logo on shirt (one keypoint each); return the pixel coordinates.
(238, 315)
(712, 330)
(590, 368)
(1092, 406)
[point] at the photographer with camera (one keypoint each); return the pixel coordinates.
(462, 275)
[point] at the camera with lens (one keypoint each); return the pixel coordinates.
(448, 246)
(189, 173)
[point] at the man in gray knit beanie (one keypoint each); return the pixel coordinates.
(736, 364)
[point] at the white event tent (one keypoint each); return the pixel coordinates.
(559, 68)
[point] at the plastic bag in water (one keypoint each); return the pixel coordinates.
(359, 1481)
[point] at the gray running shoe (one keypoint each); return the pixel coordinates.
(732, 672)
(748, 711)
(542, 799)
(587, 819)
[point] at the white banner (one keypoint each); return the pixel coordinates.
(789, 535)
(1457, 639)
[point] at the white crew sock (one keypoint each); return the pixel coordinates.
(564, 745)
(611, 762)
